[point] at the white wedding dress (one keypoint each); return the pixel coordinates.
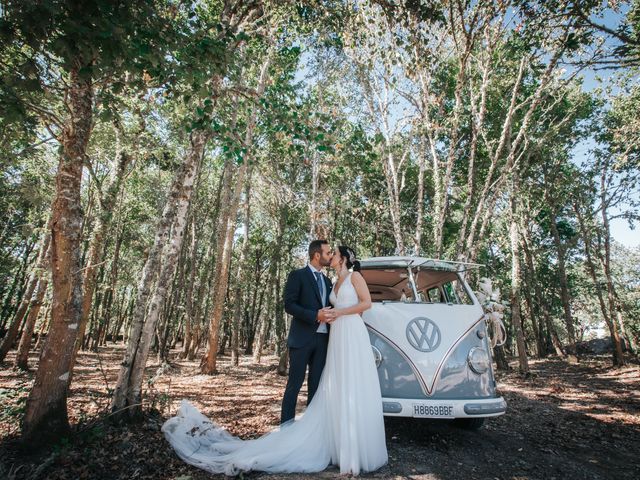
(343, 425)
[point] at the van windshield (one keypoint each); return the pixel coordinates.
(431, 286)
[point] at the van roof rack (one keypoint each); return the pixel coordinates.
(409, 261)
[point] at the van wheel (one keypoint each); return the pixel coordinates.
(470, 423)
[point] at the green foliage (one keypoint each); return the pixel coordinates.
(102, 40)
(622, 130)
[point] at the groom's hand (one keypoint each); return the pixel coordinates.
(325, 315)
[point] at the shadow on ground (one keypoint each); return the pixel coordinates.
(565, 422)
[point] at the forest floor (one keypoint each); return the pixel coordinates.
(563, 422)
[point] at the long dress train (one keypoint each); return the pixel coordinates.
(343, 425)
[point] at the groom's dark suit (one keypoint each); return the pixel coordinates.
(302, 300)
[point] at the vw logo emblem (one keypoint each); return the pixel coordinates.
(423, 334)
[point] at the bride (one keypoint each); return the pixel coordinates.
(343, 425)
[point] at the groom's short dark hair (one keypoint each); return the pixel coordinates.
(316, 247)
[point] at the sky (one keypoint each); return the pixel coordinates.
(621, 232)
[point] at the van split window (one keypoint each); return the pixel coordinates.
(431, 285)
(456, 293)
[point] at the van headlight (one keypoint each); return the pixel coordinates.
(478, 360)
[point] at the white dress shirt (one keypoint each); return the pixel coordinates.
(322, 328)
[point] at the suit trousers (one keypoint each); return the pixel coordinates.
(313, 355)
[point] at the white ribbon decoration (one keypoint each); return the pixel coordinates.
(493, 312)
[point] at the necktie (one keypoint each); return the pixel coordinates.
(320, 286)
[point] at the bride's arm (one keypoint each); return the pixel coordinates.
(363, 295)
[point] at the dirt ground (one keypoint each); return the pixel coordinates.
(564, 422)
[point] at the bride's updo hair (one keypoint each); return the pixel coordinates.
(350, 257)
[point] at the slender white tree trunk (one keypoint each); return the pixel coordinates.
(516, 279)
(241, 277)
(127, 388)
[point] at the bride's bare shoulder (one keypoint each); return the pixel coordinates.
(357, 276)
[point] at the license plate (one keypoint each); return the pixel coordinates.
(432, 411)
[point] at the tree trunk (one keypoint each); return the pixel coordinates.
(106, 314)
(195, 342)
(272, 288)
(618, 358)
(6, 304)
(21, 313)
(44, 327)
(173, 327)
(189, 304)
(22, 355)
(8, 308)
(553, 335)
(531, 297)
(417, 239)
(128, 392)
(626, 334)
(564, 286)
(205, 277)
(478, 113)
(97, 322)
(198, 315)
(241, 278)
(501, 358)
(528, 301)
(313, 210)
(172, 303)
(121, 308)
(105, 319)
(223, 257)
(393, 192)
(283, 362)
(280, 319)
(263, 332)
(46, 410)
(122, 303)
(442, 198)
(377, 99)
(516, 279)
(249, 334)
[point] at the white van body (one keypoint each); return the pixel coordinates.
(429, 338)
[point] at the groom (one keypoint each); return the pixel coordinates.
(306, 296)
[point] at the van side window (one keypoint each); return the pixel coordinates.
(433, 295)
(456, 293)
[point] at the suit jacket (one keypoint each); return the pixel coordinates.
(302, 300)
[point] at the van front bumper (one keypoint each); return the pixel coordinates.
(445, 409)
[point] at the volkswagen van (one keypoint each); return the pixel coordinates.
(430, 341)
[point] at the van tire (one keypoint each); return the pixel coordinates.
(470, 423)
